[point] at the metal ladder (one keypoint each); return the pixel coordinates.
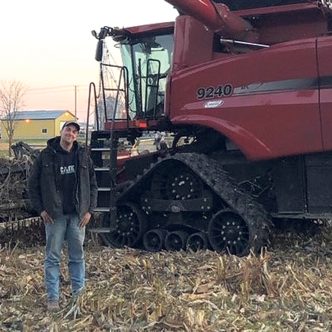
(106, 142)
(104, 154)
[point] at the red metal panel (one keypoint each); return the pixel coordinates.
(150, 27)
(203, 10)
(123, 125)
(193, 43)
(311, 4)
(217, 18)
(292, 25)
(324, 48)
(273, 111)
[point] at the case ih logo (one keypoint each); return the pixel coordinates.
(213, 103)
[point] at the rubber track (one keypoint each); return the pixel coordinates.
(219, 181)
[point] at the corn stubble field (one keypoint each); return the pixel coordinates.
(287, 288)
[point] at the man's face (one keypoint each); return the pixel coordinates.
(69, 134)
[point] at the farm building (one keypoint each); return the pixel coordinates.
(37, 125)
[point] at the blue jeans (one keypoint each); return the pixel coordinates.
(64, 228)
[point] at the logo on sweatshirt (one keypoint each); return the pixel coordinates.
(67, 169)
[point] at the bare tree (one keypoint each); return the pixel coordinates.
(11, 100)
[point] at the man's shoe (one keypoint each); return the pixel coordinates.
(53, 306)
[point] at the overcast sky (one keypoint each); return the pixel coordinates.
(48, 45)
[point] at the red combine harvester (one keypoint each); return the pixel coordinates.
(243, 88)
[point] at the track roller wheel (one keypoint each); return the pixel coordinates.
(228, 232)
(154, 239)
(176, 182)
(176, 241)
(197, 241)
(127, 229)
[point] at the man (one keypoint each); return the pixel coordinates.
(63, 191)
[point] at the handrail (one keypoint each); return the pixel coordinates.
(91, 86)
(103, 89)
(151, 86)
(123, 73)
(122, 81)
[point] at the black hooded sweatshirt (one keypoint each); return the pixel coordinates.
(62, 182)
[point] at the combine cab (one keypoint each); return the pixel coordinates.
(242, 89)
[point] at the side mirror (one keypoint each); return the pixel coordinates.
(94, 34)
(99, 50)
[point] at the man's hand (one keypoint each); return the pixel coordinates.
(46, 218)
(85, 220)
